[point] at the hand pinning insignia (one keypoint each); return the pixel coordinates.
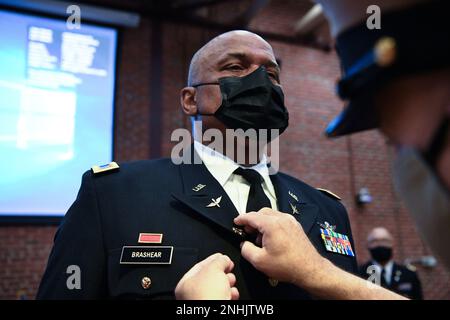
(215, 202)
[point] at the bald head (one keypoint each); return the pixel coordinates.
(379, 237)
(232, 54)
(233, 41)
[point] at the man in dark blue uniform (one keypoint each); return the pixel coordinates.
(135, 230)
(389, 274)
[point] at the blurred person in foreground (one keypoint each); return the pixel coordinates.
(397, 79)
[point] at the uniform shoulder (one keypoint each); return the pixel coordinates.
(329, 193)
(103, 168)
(410, 267)
(407, 268)
(294, 181)
(130, 168)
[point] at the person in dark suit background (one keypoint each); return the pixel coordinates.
(135, 230)
(391, 275)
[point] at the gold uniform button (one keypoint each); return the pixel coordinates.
(146, 282)
(273, 282)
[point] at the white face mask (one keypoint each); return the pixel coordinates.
(426, 199)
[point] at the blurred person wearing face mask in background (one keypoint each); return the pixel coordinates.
(389, 274)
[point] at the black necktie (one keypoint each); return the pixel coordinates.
(257, 199)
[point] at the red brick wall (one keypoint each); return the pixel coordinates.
(308, 76)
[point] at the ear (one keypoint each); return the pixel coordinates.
(188, 101)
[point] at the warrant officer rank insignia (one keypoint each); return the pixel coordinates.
(336, 242)
(106, 167)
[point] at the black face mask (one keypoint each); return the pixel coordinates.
(251, 102)
(381, 254)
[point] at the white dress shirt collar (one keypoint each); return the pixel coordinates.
(222, 167)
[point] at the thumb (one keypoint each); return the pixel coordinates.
(251, 253)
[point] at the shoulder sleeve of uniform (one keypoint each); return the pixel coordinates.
(109, 167)
(329, 193)
(78, 242)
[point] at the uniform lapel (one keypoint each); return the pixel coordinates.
(204, 195)
(291, 201)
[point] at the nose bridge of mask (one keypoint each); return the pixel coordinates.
(233, 86)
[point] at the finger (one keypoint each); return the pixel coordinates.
(268, 211)
(247, 228)
(251, 253)
(250, 230)
(222, 262)
(252, 219)
(231, 279)
(234, 293)
(230, 267)
(258, 240)
(207, 260)
(199, 265)
(212, 257)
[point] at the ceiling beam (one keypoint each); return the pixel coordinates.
(244, 19)
(193, 4)
(220, 27)
(310, 21)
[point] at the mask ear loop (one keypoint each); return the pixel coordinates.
(199, 85)
(204, 84)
